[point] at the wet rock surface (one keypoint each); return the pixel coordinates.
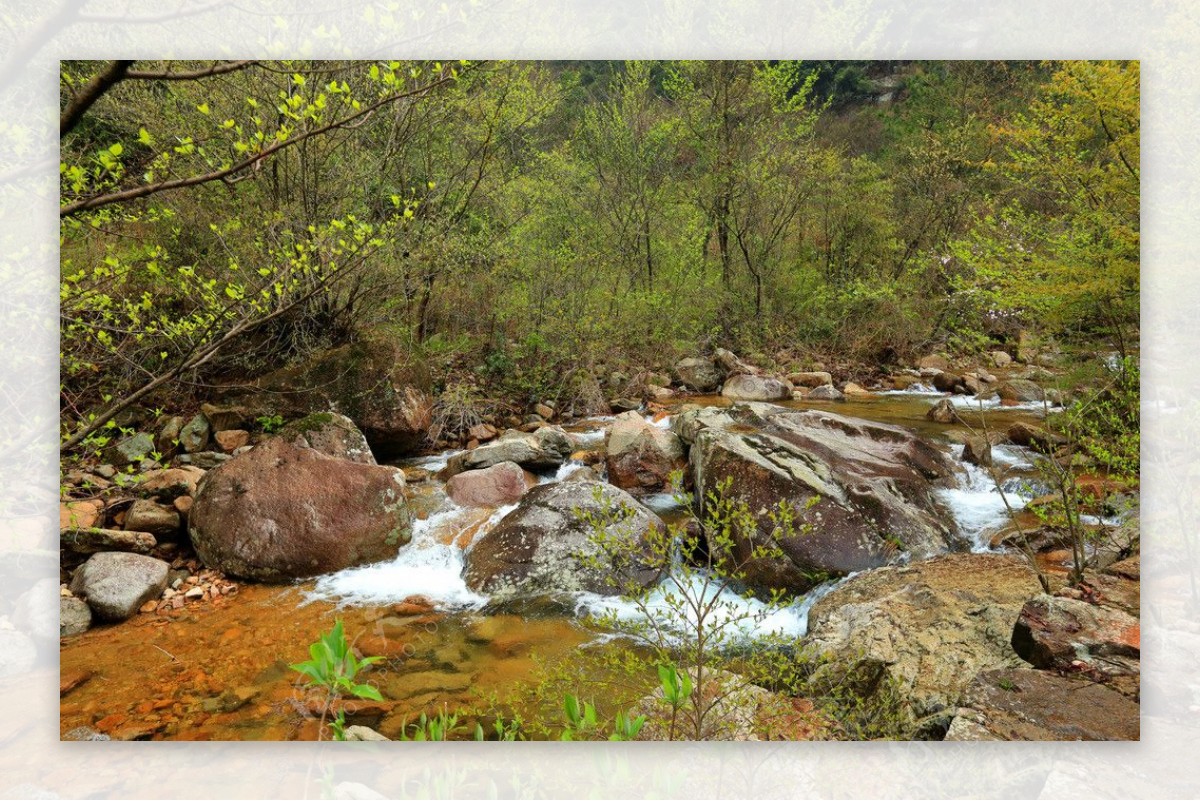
(640, 456)
(544, 546)
(498, 485)
(860, 493)
(1038, 705)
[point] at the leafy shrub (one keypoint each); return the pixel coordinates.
(333, 667)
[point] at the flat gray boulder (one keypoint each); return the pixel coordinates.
(115, 585)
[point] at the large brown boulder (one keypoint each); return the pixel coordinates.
(1069, 634)
(860, 494)
(281, 511)
(546, 545)
(1039, 705)
(374, 382)
(641, 456)
(931, 626)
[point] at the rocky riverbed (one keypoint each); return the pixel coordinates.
(458, 567)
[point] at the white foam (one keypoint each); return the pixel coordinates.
(433, 464)
(584, 438)
(973, 403)
(564, 471)
(661, 502)
(423, 567)
(732, 618)
(976, 503)
(913, 389)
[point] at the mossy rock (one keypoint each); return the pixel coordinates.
(374, 381)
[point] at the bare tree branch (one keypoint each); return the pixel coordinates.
(104, 80)
(219, 68)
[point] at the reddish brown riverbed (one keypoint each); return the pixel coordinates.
(220, 672)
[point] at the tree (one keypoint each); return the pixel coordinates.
(156, 281)
(1060, 246)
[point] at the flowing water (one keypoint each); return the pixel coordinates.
(220, 671)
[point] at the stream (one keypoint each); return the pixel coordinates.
(220, 671)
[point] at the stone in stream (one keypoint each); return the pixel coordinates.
(1015, 390)
(825, 392)
(942, 412)
(641, 456)
(756, 388)
(547, 447)
(947, 382)
(117, 584)
(544, 546)
(1040, 705)
(1034, 437)
(977, 450)
(74, 616)
(860, 494)
(280, 511)
(699, 374)
(812, 380)
(929, 627)
(498, 485)
(331, 434)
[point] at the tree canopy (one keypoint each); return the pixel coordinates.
(519, 220)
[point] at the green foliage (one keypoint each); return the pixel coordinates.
(531, 221)
(581, 719)
(1102, 434)
(269, 423)
(1061, 246)
(441, 727)
(333, 667)
(856, 696)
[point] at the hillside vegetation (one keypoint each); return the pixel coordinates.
(507, 223)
